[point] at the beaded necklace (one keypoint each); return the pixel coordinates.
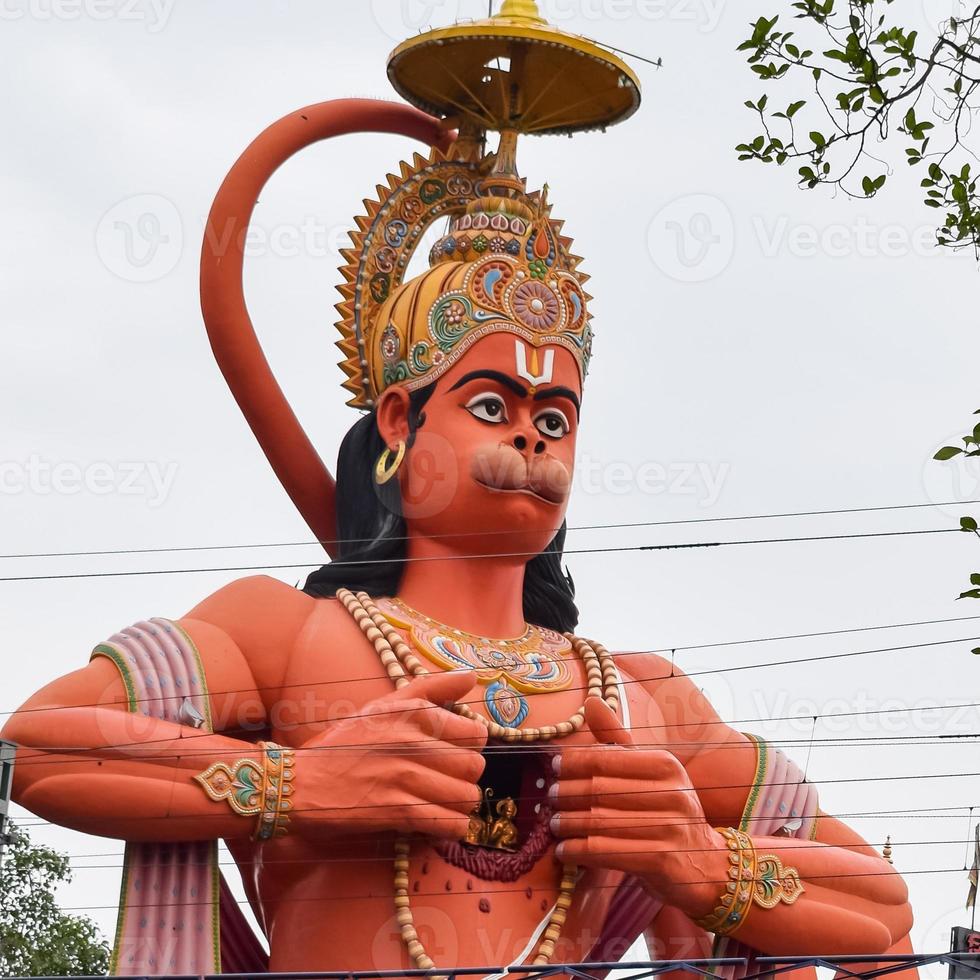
(401, 665)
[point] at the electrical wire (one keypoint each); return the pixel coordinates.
(346, 897)
(620, 549)
(625, 681)
(270, 861)
(420, 751)
(923, 813)
(350, 818)
(463, 534)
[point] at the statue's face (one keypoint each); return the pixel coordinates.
(491, 466)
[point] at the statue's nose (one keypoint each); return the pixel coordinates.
(521, 443)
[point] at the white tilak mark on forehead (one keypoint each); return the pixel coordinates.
(531, 374)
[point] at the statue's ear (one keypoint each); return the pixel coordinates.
(392, 415)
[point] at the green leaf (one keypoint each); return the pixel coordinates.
(947, 452)
(975, 578)
(968, 524)
(970, 594)
(795, 107)
(818, 138)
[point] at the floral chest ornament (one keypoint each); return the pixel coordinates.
(536, 662)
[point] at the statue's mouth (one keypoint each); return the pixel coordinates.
(509, 831)
(553, 498)
(503, 469)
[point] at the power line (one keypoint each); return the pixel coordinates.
(418, 749)
(923, 813)
(553, 530)
(620, 549)
(806, 636)
(347, 896)
(277, 861)
(350, 818)
(326, 682)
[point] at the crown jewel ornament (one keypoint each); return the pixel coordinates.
(502, 266)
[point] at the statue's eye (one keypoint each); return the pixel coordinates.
(487, 407)
(551, 422)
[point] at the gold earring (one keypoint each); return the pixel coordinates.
(382, 471)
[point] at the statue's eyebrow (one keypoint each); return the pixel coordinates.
(498, 376)
(559, 391)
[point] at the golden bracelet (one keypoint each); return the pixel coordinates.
(279, 763)
(755, 880)
(255, 789)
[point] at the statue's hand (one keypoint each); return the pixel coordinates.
(635, 810)
(405, 763)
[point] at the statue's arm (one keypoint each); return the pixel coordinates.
(853, 900)
(657, 796)
(402, 761)
(85, 760)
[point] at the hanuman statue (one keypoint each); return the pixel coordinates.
(414, 760)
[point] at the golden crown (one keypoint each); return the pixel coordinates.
(502, 266)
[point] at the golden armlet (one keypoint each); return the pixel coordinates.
(255, 789)
(755, 880)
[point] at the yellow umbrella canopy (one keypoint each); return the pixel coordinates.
(514, 71)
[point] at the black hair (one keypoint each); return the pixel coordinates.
(371, 532)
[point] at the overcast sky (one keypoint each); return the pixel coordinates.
(759, 350)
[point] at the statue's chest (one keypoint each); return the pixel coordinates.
(532, 681)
